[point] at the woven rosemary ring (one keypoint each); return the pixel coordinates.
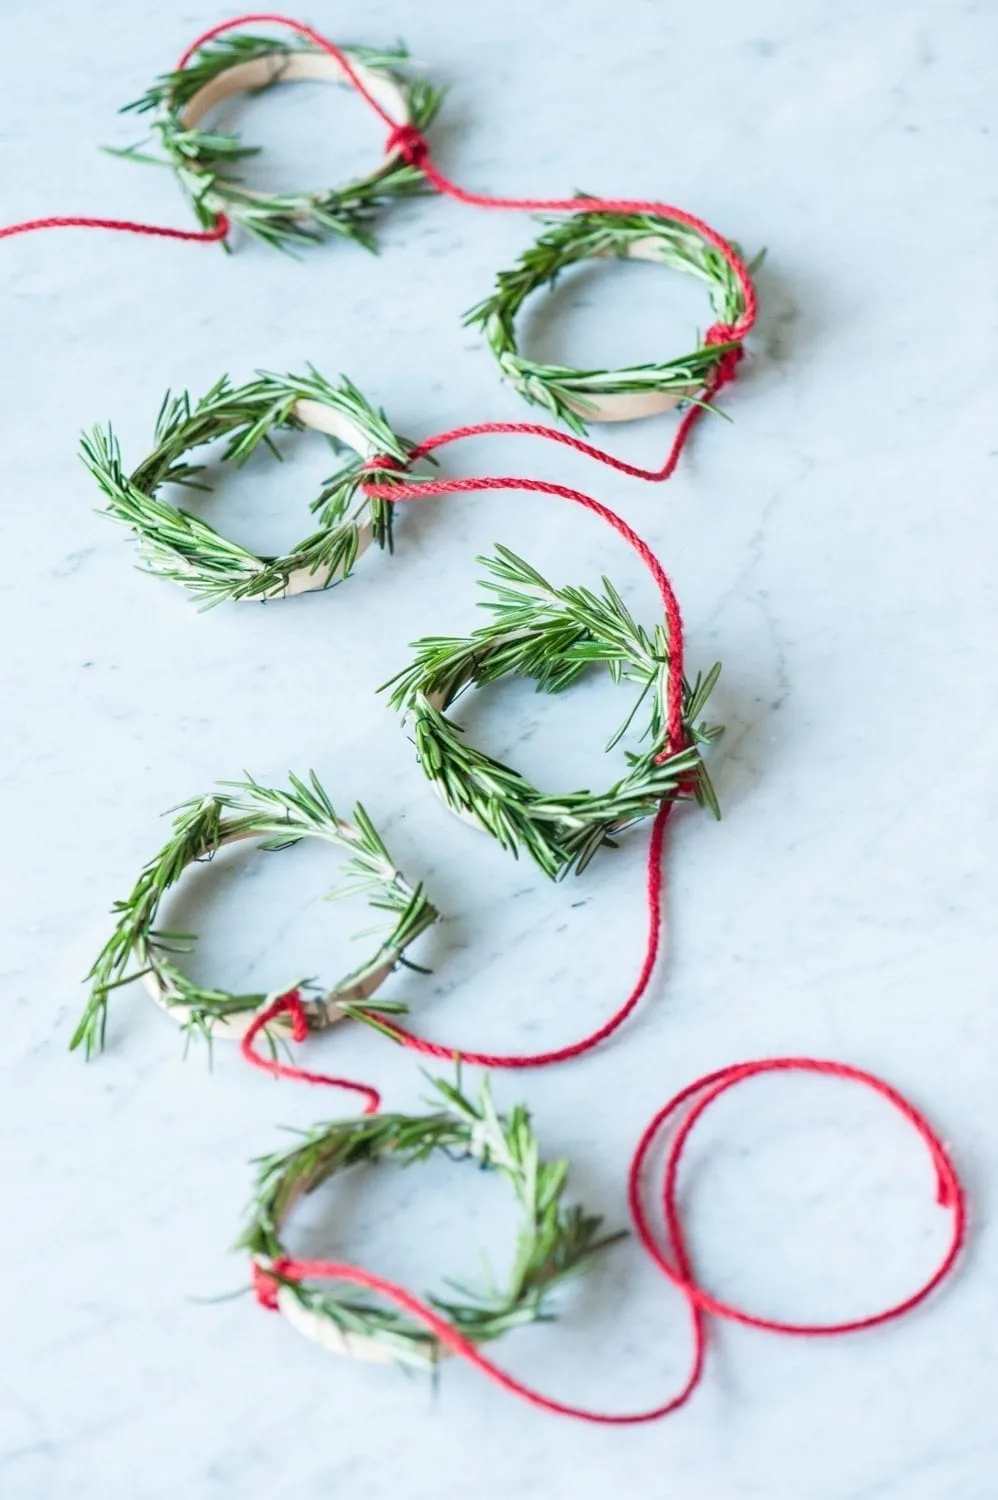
(180, 546)
(579, 395)
(553, 636)
(139, 949)
(206, 162)
(555, 1241)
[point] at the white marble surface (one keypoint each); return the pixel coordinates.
(834, 547)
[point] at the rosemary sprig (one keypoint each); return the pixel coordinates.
(562, 389)
(553, 636)
(206, 162)
(279, 817)
(178, 545)
(555, 1241)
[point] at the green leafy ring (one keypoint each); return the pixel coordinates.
(554, 1242)
(181, 546)
(206, 162)
(554, 636)
(575, 395)
(137, 949)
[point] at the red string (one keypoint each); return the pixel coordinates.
(290, 1004)
(554, 435)
(699, 1096)
(674, 1261)
(127, 226)
(415, 1043)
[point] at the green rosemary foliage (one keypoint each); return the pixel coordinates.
(177, 545)
(553, 636)
(206, 162)
(280, 817)
(588, 236)
(555, 1242)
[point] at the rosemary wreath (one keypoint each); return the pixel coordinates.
(206, 162)
(607, 395)
(137, 949)
(554, 1243)
(178, 545)
(552, 635)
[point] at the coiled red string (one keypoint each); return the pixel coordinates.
(674, 1261)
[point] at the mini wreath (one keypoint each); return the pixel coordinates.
(178, 545)
(206, 162)
(554, 1243)
(577, 396)
(554, 636)
(137, 949)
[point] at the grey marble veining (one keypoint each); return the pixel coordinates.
(833, 546)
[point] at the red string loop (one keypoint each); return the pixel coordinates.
(696, 1099)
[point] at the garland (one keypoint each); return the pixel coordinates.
(553, 636)
(138, 949)
(178, 545)
(554, 1242)
(406, 143)
(611, 395)
(206, 163)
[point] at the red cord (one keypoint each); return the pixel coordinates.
(127, 226)
(698, 1096)
(290, 1004)
(552, 434)
(416, 1043)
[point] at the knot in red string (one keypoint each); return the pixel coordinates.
(379, 461)
(410, 144)
(292, 1005)
(265, 1287)
(727, 365)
